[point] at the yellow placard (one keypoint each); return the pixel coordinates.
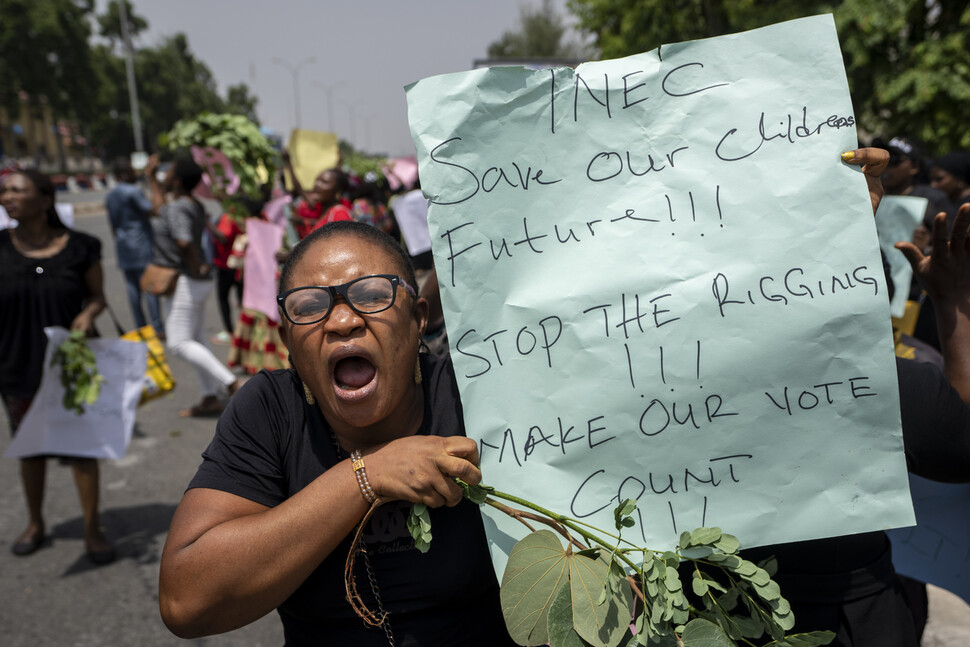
(312, 151)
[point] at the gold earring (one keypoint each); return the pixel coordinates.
(417, 370)
(308, 395)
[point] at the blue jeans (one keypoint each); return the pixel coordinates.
(132, 277)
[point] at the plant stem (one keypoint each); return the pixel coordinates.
(567, 522)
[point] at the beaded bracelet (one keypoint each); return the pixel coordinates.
(357, 462)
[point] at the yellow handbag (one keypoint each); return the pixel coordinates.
(158, 376)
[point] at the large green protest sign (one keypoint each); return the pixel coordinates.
(661, 282)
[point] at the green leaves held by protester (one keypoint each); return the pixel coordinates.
(589, 593)
(79, 372)
(419, 525)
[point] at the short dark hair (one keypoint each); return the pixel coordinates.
(352, 229)
(188, 173)
(123, 170)
(45, 187)
(341, 179)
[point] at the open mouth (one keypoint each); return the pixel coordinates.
(354, 377)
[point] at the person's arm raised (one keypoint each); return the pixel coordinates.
(945, 275)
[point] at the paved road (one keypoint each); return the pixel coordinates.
(56, 596)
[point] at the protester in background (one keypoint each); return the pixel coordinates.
(49, 276)
(129, 214)
(322, 204)
(228, 279)
(268, 521)
(368, 204)
(256, 343)
(951, 174)
(178, 244)
(905, 175)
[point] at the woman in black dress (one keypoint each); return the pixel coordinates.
(49, 276)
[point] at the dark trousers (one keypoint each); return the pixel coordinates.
(225, 282)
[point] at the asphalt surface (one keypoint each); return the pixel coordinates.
(57, 597)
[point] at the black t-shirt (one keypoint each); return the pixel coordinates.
(35, 293)
(269, 445)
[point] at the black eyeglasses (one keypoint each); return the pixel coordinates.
(367, 295)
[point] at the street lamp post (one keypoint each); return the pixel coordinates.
(130, 73)
(329, 90)
(352, 115)
(295, 71)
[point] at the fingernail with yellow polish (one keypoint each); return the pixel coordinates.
(848, 156)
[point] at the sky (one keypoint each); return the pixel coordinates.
(365, 52)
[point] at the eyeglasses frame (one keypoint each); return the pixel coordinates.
(341, 290)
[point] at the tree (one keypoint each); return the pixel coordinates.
(173, 85)
(540, 36)
(240, 102)
(907, 61)
(45, 54)
(110, 22)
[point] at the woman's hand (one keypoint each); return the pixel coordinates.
(944, 274)
(84, 322)
(152, 166)
(423, 469)
(874, 162)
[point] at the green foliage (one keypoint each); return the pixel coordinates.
(109, 23)
(567, 598)
(475, 493)
(237, 137)
(907, 61)
(536, 571)
(419, 525)
(540, 36)
(79, 372)
(360, 164)
(240, 102)
(44, 52)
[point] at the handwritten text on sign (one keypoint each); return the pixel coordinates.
(661, 283)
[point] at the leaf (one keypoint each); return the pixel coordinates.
(770, 565)
(728, 544)
(705, 536)
(699, 585)
(760, 576)
(769, 591)
(727, 561)
(626, 508)
(475, 493)
(419, 525)
(560, 621)
(599, 624)
(704, 633)
(696, 552)
(537, 567)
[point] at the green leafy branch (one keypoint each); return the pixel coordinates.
(590, 592)
(252, 155)
(79, 372)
